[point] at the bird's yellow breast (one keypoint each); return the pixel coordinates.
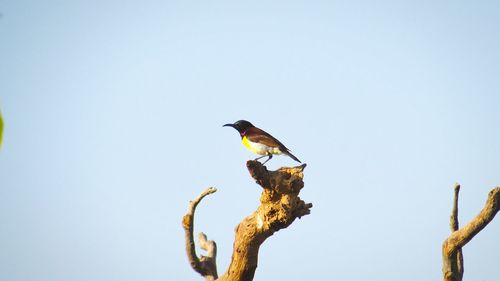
(259, 148)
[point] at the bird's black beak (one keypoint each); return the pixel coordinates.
(228, 125)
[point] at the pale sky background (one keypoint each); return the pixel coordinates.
(114, 114)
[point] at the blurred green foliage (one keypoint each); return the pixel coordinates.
(1, 129)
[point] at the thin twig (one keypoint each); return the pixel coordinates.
(206, 266)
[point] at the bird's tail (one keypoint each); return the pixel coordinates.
(292, 156)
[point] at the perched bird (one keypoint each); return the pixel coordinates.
(260, 142)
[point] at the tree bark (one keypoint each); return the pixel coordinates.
(279, 206)
(453, 264)
(205, 265)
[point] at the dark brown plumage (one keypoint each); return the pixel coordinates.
(259, 141)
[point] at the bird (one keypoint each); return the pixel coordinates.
(260, 142)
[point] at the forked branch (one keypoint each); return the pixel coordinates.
(453, 269)
(279, 206)
(205, 265)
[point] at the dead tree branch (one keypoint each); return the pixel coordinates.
(453, 269)
(205, 265)
(279, 206)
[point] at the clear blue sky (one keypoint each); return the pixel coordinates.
(113, 113)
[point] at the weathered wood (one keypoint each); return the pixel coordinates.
(205, 265)
(453, 265)
(279, 206)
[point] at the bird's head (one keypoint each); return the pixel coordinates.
(241, 126)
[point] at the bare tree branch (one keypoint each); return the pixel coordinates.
(206, 264)
(454, 211)
(279, 206)
(208, 245)
(452, 246)
(457, 261)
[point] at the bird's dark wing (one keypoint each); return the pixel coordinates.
(257, 135)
